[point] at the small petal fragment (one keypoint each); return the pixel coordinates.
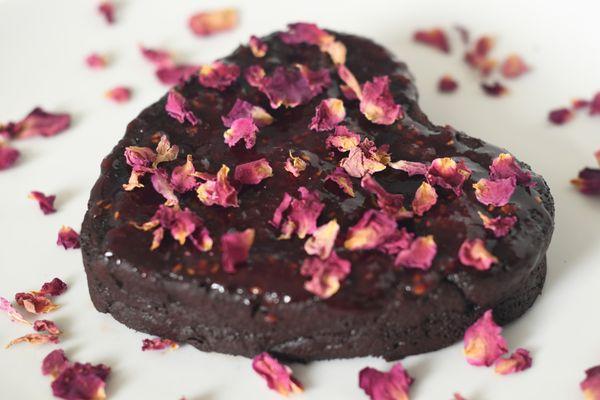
(241, 129)
(447, 84)
(183, 177)
(243, 109)
(392, 385)
(372, 230)
(419, 255)
(500, 226)
(329, 113)
(588, 181)
(210, 22)
(365, 159)
(435, 38)
(295, 165)
(54, 363)
(218, 75)
(343, 180)
(8, 156)
(35, 303)
(252, 173)
(278, 376)
(13, 314)
(425, 198)
(473, 253)
(158, 57)
(162, 185)
(119, 94)
(390, 203)
(483, 341)
(34, 338)
(494, 89)
(218, 191)
(325, 274)
(107, 10)
(300, 214)
(68, 238)
(590, 386)
(176, 108)
(496, 193)
(560, 116)
(235, 247)
(158, 344)
(258, 47)
(505, 166)
(322, 240)
(448, 174)
(342, 139)
(44, 325)
(46, 203)
(519, 361)
(174, 74)
(377, 103)
(410, 167)
(95, 61)
(514, 66)
(290, 87)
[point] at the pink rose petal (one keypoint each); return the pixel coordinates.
(322, 240)
(590, 386)
(278, 376)
(425, 198)
(95, 61)
(390, 203)
(37, 123)
(13, 314)
(588, 181)
(158, 344)
(295, 165)
(218, 191)
(342, 139)
(54, 363)
(68, 238)
(241, 129)
(513, 67)
(44, 325)
(419, 255)
(257, 46)
(519, 361)
(177, 109)
(500, 226)
(158, 57)
(183, 177)
(300, 214)
(448, 174)
(243, 109)
(435, 38)
(46, 203)
(325, 274)
(410, 167)
(365, 159)
(505, 166)
(372, 230)
(55, 287)
(392, 385)
(290, 87)
(328, 114)
(107, 10)
(343, 180)
(483, 341)
(162, 185)
(8, 156)
(214, 21)
(377, 103)
(174, 74)
(119, 94)
(447, 84)
(473, 253)
(595, 104)
(35, 303)
(252, 173)
(560, 116)
(218, 75)
(34, 338)
(496, 193)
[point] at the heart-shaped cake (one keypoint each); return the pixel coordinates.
(293, 198)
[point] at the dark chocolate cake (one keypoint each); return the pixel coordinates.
(293, 198)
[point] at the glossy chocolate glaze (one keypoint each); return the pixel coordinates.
(271, 276)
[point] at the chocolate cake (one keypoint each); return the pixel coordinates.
(354, 227)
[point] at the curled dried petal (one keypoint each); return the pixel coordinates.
(68, 238)
(365, 159)
(235, 247)
(257, 46)
(295, 165)
(500, 226)
(483, 341)
(13, 314)
(158, 344)
(325, 274)
(392, 385)
(473, 253)
(419, 254)
(290, 87)
(177, 109)
(218, 75)
(162, 185)
(328, 114)
(496, 193)
(44, 325)
(183, 177)
(377, 103)
(210, 22)
(435, 38)
(165, 152)
(278, 376)
(37, 123)
(252, 173)
(55, 287)
(34, 338)
(241, 129)
(390, 203)
(119, 94)
(243, 109)
(301, 214)
(343, 180)
(588, 181)
(448, 174)
(425, 198)
(513, 66)
(81, 382)
(410, 167)
(372, 230)
(505, 166)
(519, 361)
(342, 139)
(46, 203)
(322, 240)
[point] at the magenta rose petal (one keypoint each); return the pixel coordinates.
(278, 376)
(46, 203)
(519, 361)
(235, 247)
(68, 238)
(392, 385)
(483, 341)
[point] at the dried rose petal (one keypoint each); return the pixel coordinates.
(412, 167)
(34, 338)
(243, 109)
(351, 89)
(46, 203)
(158, 344)
(162, 185)
(210, 22)
(37, 123)
(579, 104)
(595, 104)
(448, 174)
(590, 386)
(560, 116)
(325, 274)
(372, 230)
(44, 325)
(419, 255)
(160, 58)
(257, 46)
(176, 108)
(255, 76)
(182, 224)
(342, 139)
(513, 66)
(496, 193)
(119, 94)
(54, 363)
(478, 58)
(241, 129)
(295, 165)
(588, 181)
(500, 226)
(68, 238)
(81, 382)
(399, 240)
(303, 32)
(447, 84)
(390, 203)
(107, 10)
(458, 396)
(95, 61)
(165, 152)
(494, 89)
(252, 173)
(473, 253)
(343, 180)
(392, 385)
(235, 247)
(328, 114)
(183, 177)
(518, 361)
(377, 103)
(218, 75)
(322, 240)
(505, 166)
(483, 341)
(35, 303)
(425, 198)
(301, 214)
(55, 287)
(13, 314)
(278, 376)
(173, 74)
(364, 159)
(8, 156)
(290, 87)
(435, 38)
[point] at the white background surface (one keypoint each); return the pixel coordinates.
(42, 47)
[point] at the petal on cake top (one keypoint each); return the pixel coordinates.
(322, 240)
(218, 191)
(419, 255)
(214, 21)
(365, 159)
(177, 109)
(342, 139)
(372, 230)
(290, 87)
(235, 248)
(44, 325)
(183, 177)
(300, 214)
(328, 114)
(390, 203)
(37, 123)
(35, 303)
(162, 185)
(473, 253)
(351, 87)
(513, 66)
(136, 156)
(255, 76)
(500, 226)
(119, 94)
(257, 46)
(392, 385)
(377, 103)
(252, 173)
(46, 203)
(241, 129)
(425, 198)
(8, 156)
(495, 193)
(343, 180)
(518, 361)
(295, 165)
(278, 376)
(218, 75)
(303, 32)
(165, 152)
(34, 338)
(483, 341)
(505, 166)
(81, 381)
(325, 274)
(68, 238)
(244, 109)
(435, 38)
(590, 386)
(399, 240)
(448, 174)
(13, 314)
(174, 74)
(158, 344)
(410, 167)
(588, 181)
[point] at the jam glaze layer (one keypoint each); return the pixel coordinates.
(269, 285)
